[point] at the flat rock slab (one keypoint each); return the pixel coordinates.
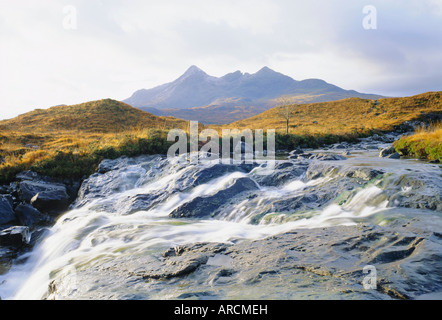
(326, 263)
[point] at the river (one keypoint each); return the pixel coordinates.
(114, 238)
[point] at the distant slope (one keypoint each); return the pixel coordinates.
(218, 98)
(348, 115)
(219, 112)
(96, 116)
(70, 141)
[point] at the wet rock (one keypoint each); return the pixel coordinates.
(363, 173)
(28, 176)
(14, 236)
(175, 267)
(42, 193)
(312, 198)
(296, 152)
(387, 151)
(283, 172)
(327, 157)
(6, 211)
(30, 216)
(417, 191)
(204, 175)
(292, 204)
(319, 169)
(340, 146)
(6, 256)
(328, 262)
(284, 165)
(301, 157)
(243, 147)
(4, 189)
(107, 165)
(207, 206)
(394, 156)
(135, 203)
(53, 199)
(37, 235)
(123, 176)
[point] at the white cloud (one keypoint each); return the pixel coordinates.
(257, 16)
(121, 46)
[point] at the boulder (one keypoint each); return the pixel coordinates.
(30, 216)
(327, 157)
(394, 156)
(417, 191)
(28, 176)
(319, 169)
(243, 147)
(283, 173)
(4, 189)
(41, 191)
(107, 165)
(297, 151)
(6, 211)
(207, 174)
(387, 151)
(362, 173)
(206, 206)
(52, 201)
(6, 256)
(14, 236)
(45, 196)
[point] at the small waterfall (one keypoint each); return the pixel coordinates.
(126, 212)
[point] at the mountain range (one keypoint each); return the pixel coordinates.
(236, 96)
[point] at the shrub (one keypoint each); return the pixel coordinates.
(425, 143)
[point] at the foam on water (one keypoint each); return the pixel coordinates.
(86, 236)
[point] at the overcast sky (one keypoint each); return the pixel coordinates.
(115, 47)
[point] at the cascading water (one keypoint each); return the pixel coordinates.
(141, 207)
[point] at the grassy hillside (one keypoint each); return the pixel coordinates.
(96, 116)
(70, 141)
(353, 116)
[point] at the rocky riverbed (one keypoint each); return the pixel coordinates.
(28, 206)
(155, 228)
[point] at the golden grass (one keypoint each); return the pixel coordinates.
(348, 116)
(80, 130)
(85, 129)
(425, 143)
(16, 150)
(102, 116)
(431, 133)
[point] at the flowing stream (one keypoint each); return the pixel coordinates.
(142, 207)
